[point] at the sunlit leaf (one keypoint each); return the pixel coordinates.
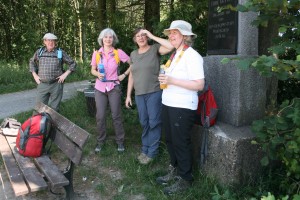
(282, 29)
(225, 60)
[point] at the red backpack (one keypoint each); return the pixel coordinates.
(207, 108)
(33, 135)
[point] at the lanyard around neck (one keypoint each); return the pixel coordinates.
(178, 58)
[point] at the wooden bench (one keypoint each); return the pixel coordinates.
(34, 174)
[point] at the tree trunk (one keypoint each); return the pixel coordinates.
(79, 22)
(101, 14)
(112, 6)
(266, 34)
(50, 4)
(152, 14)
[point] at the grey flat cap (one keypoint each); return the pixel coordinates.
(49, 36)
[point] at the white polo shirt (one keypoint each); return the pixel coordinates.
(189, 67)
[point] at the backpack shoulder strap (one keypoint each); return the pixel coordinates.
(116, 55)
(41, 51)
(98, 57)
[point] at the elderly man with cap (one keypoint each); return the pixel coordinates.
(46, 66)
(184, 76)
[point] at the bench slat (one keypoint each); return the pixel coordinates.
(71, 130)
(33, 177)
(51, 171)
(15, 176)
(69, 148)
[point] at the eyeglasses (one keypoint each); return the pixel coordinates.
(142, 35)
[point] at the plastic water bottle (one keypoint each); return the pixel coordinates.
(102, 71)
(162, 71)
(59, 54)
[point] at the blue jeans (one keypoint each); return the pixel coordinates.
(149, 108)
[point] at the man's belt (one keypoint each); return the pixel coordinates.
(49, 81)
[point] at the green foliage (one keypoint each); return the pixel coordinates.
(279, 137)
(272, 197)
(283, 61)
(217, 195)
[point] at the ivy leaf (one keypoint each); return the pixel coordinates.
(254, 142)
(244, 64)
(286, 197)
(269, 197)
(241, 8)
(295, 116)
(257, 125)
(297, 75)
(296, 197)
(278, 49)
(282, 29)
(282, 76)
(225, 60)
(264, 161)
(298, 57)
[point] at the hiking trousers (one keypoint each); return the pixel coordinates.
(113, 98)
(178, 124)
(50, 94)
(149, 109)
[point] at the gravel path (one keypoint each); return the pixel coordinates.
(14, 103)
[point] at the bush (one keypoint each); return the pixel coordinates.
(279, 137)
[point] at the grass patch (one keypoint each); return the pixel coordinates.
(16, 77)
(119, 176)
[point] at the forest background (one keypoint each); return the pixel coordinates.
(77, 23)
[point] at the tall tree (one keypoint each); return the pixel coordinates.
(112, 6)
(152, 14)
(6, 31)
(77, 6)
(50, 6)
(101, 14)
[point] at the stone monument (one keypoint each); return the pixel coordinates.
(240, 95)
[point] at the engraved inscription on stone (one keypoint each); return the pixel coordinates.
(222, 28)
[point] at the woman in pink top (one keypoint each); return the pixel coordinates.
(107, 87)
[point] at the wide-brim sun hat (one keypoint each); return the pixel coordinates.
(49, 36)
(182, 26)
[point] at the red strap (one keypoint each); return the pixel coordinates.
(173, 54)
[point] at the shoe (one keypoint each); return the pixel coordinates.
(121, 148)
(179, 186)
(141, 156)
(98, 148)
(170, 176)
(145, 160)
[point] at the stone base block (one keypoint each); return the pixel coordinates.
(231, 158)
